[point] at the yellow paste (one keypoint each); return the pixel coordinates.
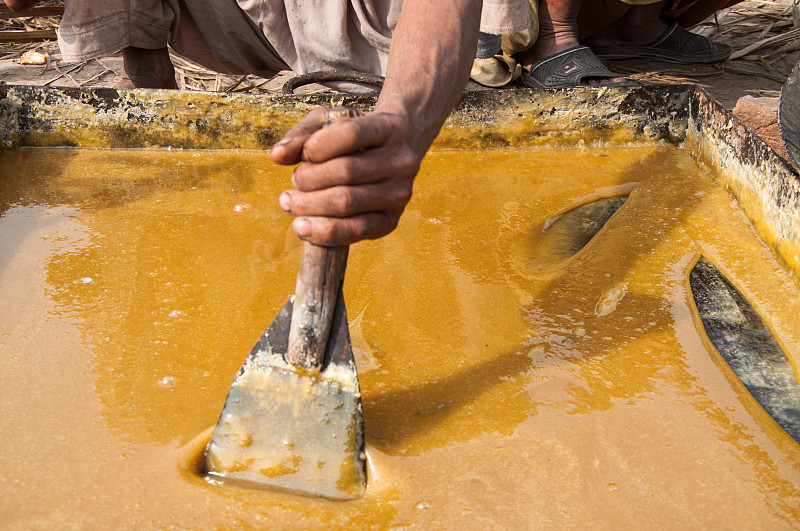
(503, 387)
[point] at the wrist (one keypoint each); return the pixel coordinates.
(405, 130)
(415, 135)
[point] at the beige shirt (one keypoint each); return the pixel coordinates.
(255, 36)
(312, 35)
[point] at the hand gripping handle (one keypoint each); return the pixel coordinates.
(319, 280)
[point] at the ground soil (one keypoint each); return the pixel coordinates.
(759, 72)
(726, 83)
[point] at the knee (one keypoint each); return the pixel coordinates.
(20, 6)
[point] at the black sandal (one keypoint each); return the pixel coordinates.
(568, 69)
(676, 45)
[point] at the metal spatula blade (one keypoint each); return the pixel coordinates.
(292, 429)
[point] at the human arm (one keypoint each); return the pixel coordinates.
(356, 176)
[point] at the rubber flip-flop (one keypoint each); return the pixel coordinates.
(676, 45)
(568, 69)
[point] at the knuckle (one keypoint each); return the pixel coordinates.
(392, 219)
(407, 161)
(345, 171)
(386, 222)
(340, 232)
(402, 195)
(342, 202)
(361, 228)
(328, 235)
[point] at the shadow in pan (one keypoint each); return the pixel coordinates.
(735, 329)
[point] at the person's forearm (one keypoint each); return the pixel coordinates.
(356, 176)
(429, 62)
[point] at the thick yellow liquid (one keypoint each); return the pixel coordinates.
(503, 387)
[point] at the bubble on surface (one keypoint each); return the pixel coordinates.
(166, 382)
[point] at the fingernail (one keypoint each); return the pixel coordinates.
(279, 143)
(305, 156)
(302, 227)
(285, 201)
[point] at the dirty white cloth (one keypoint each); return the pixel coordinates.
(258, 37)
(214, 33)
(502, 69)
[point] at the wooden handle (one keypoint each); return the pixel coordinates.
(319, 279)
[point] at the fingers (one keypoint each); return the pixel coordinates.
(355, 178)
(363, 167)
(309, 142)
(345, 214)
(344, 231)
(349, 136)
(346, 201)
(289, 148)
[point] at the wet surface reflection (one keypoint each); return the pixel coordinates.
(500, 356)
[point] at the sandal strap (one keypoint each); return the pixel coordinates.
(676, 45)
(685, 43)
(568, 69)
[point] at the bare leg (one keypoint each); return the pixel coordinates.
(20, 6)
(145, 68)
(558, 31)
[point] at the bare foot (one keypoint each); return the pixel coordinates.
(558, 31)
(145, 68)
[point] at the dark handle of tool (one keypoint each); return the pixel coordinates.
(319, 280)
